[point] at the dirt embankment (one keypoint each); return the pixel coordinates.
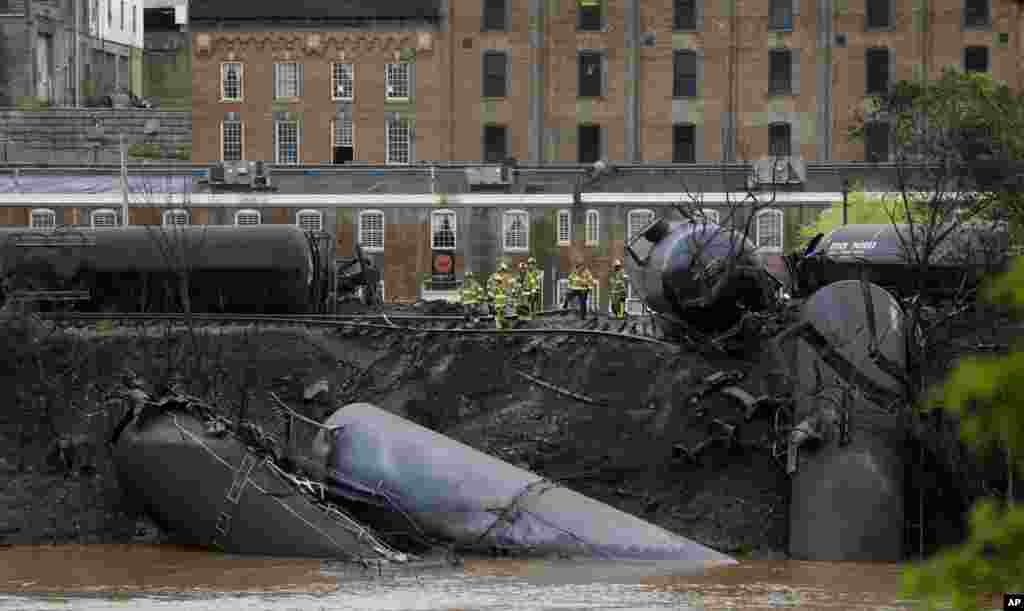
(624, 444)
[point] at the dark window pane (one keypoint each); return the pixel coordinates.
(685, 15)
(778, 140)
(684, 69)
(879, 13)
(976, 13)
(589, 141)
(780, 16)
(684, 144)
(495, 143)
(494, 14)
(878, 71)
(876, 141)
(590, 14)
(781, 67)
(976, 59)
(495, 65)
(590, 75)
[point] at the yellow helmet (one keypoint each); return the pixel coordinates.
(503, 267)
(522, 265)
(469, 274)
(531, 261)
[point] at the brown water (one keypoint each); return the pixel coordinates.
(154, 577)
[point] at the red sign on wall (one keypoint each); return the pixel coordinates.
(443, 269)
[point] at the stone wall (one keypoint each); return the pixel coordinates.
(63, 135)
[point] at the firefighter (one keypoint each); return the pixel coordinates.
(498, 288)
(533, 284)
(524, 297)
(617, 290)
(470, 295)
(580, 283)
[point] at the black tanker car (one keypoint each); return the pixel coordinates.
(274, 269)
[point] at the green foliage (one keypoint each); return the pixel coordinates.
(860, 209)
(145, 151)
(984, 393)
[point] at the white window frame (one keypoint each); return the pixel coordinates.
(782, 228)
(594, 299)
(711, 215)
(363, 231)
(249, 211)
(241, 139)
(396, 124)
(52, 215)
(170, 214)
(307, 213)
(435, 220)
(564, 216)
(334, 134)
(278, 79)
(277, 142)
(634, 213)
(95, 213)
(393, 80)
(241, 81)
(506, 223)
(592, 228)
(561, 290)
(632, 298)
(335, 81)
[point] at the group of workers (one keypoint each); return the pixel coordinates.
(518, 296)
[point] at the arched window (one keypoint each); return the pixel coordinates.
(310, 220)
(516, 231)
(371, 230)
(248, 217)
(593, 228)
(442, 230)
(42, 218)
(103, 218)
(177, 216)
(637, 220)
(769, 227)
(564, 228)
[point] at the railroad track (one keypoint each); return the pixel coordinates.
(410, 323)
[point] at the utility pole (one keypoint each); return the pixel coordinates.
(31, 48)
(78, 54)
(124, 184)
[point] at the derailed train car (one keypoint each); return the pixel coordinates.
(268, 268)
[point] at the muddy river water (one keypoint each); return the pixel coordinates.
(156, 577)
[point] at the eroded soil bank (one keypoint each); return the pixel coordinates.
(59, 484)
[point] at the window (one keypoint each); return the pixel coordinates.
(516, 231)
(590, 15)
(780, 77)
(103, 218)
(594, 299)
(342, 140)
(231, 141)
(634, 305)
(779, 140)
(135, 19)
(878, 71)
(286, 145)
(684, 16)
(287, 80)
(122, 15)
(342, 81)
(769, 230)
(976, 59)
(177, 217)
(42, 218)
(561, 290)
(310, 220)
(780, 15)
(684, 143)
(396, 81)
(976, 14)
(442, 230)
(593, 228)
(494, 15)
(876, 141)
(564, 227)
(495, 143)
(709, 215)
(248, 217)
(371, 230)
(684, 74)
(110, 13)
(637, 220)
(589, 143)
(879, 13)
(591, 78)
(495, 74)
(399, 136)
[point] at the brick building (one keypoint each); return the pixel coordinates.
(400, 81)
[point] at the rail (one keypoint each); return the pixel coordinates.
(350, 320)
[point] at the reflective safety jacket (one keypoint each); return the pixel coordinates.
(498, 284)
(617, 286)
(471, 293)
(581, 281)
(532, 282)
